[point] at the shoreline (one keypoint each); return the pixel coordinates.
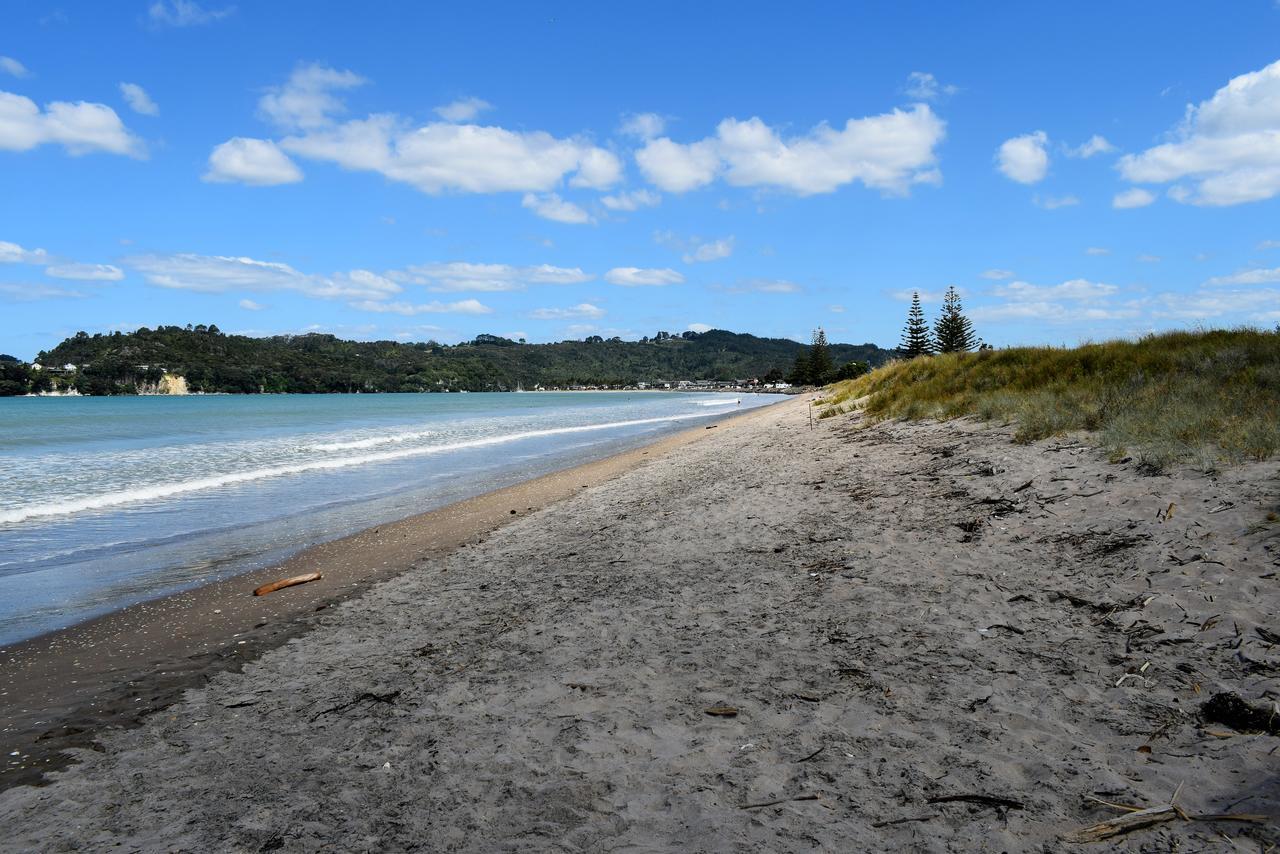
(61, 689)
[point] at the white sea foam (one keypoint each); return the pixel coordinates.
(373, 441)
(733, 402)
(154, 492)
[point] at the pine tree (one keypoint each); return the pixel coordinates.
(800, 372)
(954, 331)
(821, 368)
(916, 340)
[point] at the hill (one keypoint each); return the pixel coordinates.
(1200, 397)
(121, 363)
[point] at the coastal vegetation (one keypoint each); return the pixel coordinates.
(1200, 397)
(211, 361)
(816, 366)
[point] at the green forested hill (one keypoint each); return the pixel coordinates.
(213, 362)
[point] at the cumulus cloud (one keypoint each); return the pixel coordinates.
(711, 251)
(464, 276)
(1093, 146)
(466, 306)
(250, 305)
(463, 109)
(1073, 289)
(1132, 198)
(700, 327)
(1269, 244)
(551, 206)
(1075, 300)
(11, 66)
(923, 86)
(643, 125)
(222, 274)
(81, 127)
(85, 272)
(1025, 158)
(306, 100)
(12, 253)
(630, 201)
(1228, 146)
(888, 152)
(251, 161)
(584, 309)
(630, 277)
(184, 13)
(1257, 276)
(138, 99)
(997, 275)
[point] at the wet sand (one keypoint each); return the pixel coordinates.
(63, 689)
(899, 637)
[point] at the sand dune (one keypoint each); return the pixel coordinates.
(899, 637)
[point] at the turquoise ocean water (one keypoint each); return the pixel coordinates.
(107, 501)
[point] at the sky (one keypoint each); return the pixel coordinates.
(550, 170)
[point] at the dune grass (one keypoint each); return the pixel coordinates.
(1204, 398)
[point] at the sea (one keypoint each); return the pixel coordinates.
(109, 501)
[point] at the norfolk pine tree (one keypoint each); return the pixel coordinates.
(916, 340)
(953, 331)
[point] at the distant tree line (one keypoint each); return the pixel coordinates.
(211, 361)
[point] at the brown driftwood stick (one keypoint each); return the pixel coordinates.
(1145, 818)
(286, 582)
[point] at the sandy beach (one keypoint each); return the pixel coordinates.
(767, 636)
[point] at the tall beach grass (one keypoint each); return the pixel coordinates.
(1203, 398)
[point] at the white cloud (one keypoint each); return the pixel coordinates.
(1132, 198)
(997, 275)
(1073, 289)
(630, 201)
(1269, 244)
(643, 125)
(440, 157)
(463, 109)
(1052, 203)
(1095, 145)
(636, 276)
(138, 99)
(31, 293)
(712, 251)
(466, 306)
(250, 305)
(306, 101)
(923, 86)
(1228, 146)
(1149, 259)
(1024, 158)
(464, 276)
(700, 327)
(584, 309)
(11, 66)
(925, 296)
(85, 272)
(80, 128)
(251, 161)
(888, 152)
(760, 286)
(221, 274)
(1259, 276)
(1097, 250)
(12, 253)
(551, 206)
(184, 13)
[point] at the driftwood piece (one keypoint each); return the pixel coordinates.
(287, 582)
(1123, 824)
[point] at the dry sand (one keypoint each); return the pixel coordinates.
(900, 615)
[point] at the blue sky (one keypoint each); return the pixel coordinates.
(555, 170)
